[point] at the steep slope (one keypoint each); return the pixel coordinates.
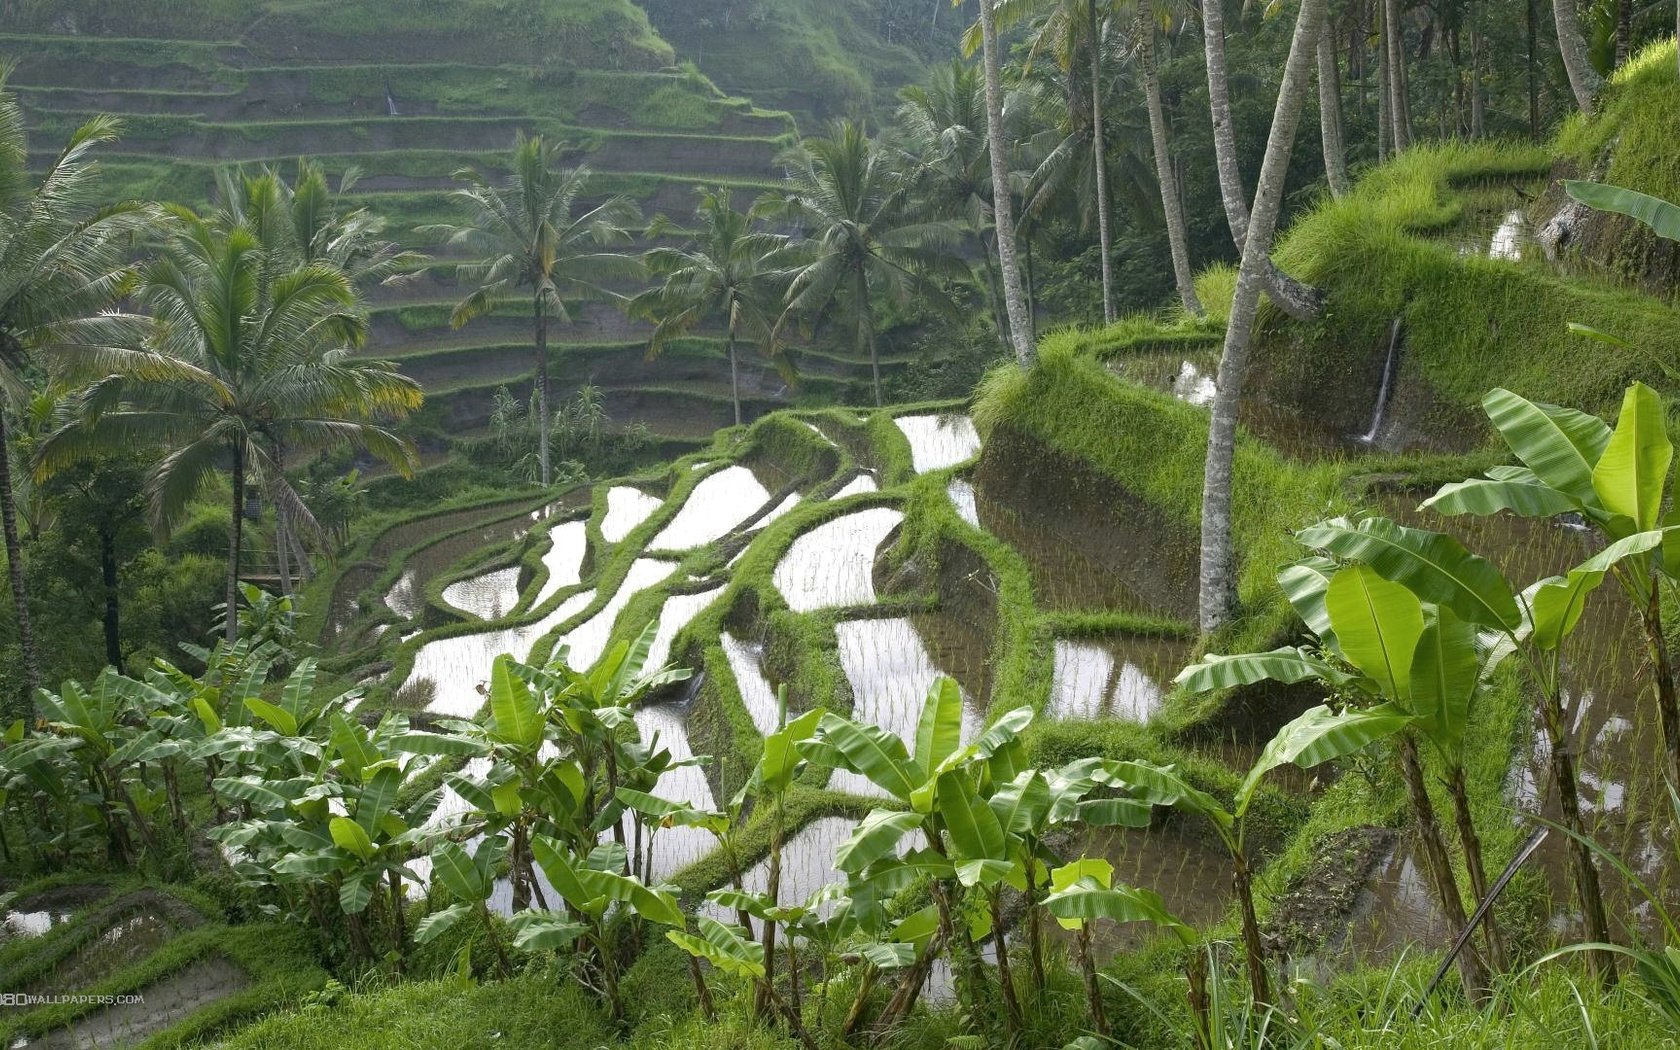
(408, 93)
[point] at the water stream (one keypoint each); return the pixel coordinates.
(1375, 430)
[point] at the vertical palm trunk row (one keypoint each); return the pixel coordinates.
(1399, 109)
(14, 571)
(236, 536)
(1584, 81)
(543, 421)
(1178, 239)
(1099, 148)
(1330, 118)
(1003, 209)
(1217, 596)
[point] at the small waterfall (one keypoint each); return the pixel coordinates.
(1370, 436)
(390, 102)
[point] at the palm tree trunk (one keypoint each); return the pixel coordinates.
(1478, 88)
(1385, 94)
(734, 373)
(1003, 208)
(1330, 118)
(1624, 31)
(1099, 150)
(1218, 569)
(1398, 111)
(14, 569)
(108, 577)
(1177, 238)
(866, 333)
(1293, 297)
(543, 422)
(1584, 81)
(236, 536)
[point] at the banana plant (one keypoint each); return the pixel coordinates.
(1082, 893)
(590, 888)
(470, 879)
(938, 791)
(96, 723)
(1615, 480)
(1317, 736)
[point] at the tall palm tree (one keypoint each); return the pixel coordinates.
(301, 222)
(1585, 83)
(724, 274)
(1218, 563)
(1003, 213)
(1073, 32)
(266, 346)
(862, 240)
(1301, 302)
(528, 237)
(62, 265)
(1178, 238)
(941, 126)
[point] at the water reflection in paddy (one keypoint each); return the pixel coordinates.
(402, 598)
(1192, 876)
(746, 662)
(961, 492)
(833, 564)
(889, 670)
(864, 482)
(489, 596)
(563, 559)
(672, 849)
(776, 512)
(717, 505)
(1121, 678)
(587, 642)
(458, 665)
(678, 612)
(626, 508)
(939, 441)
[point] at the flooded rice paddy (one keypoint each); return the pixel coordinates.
(488, 596)
(626, 508)
(567, 544)
(1119, 678)
(939, 441)
(833, 564)
(720, 503)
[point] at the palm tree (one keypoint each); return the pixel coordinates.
(1003, 216)
(527, 237)
(1584, 81)
(1298, 300)
(1178, 239)
(266, 348)
(1218, 569)
(723, 274)
(307, 221)
(862, 239)
(62, 266)
(1073, 31)
(942, 130)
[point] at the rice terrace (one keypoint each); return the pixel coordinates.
(900, 524)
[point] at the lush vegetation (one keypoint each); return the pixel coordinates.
(411, 425)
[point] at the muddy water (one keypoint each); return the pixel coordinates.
(1187, 376)
(746, 662)
(1088, 543)
(1192, 876)
(587, 642)
(1615, 736)
(1395, 913)
(939, 441)
(1118, 678)
(833, 565)
(128, 941)
(165, 1003)
(488, 596)
(678, 612)
(457, 666)
(716, 506)
(889, 670)
(564, 559)
(626, 508)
